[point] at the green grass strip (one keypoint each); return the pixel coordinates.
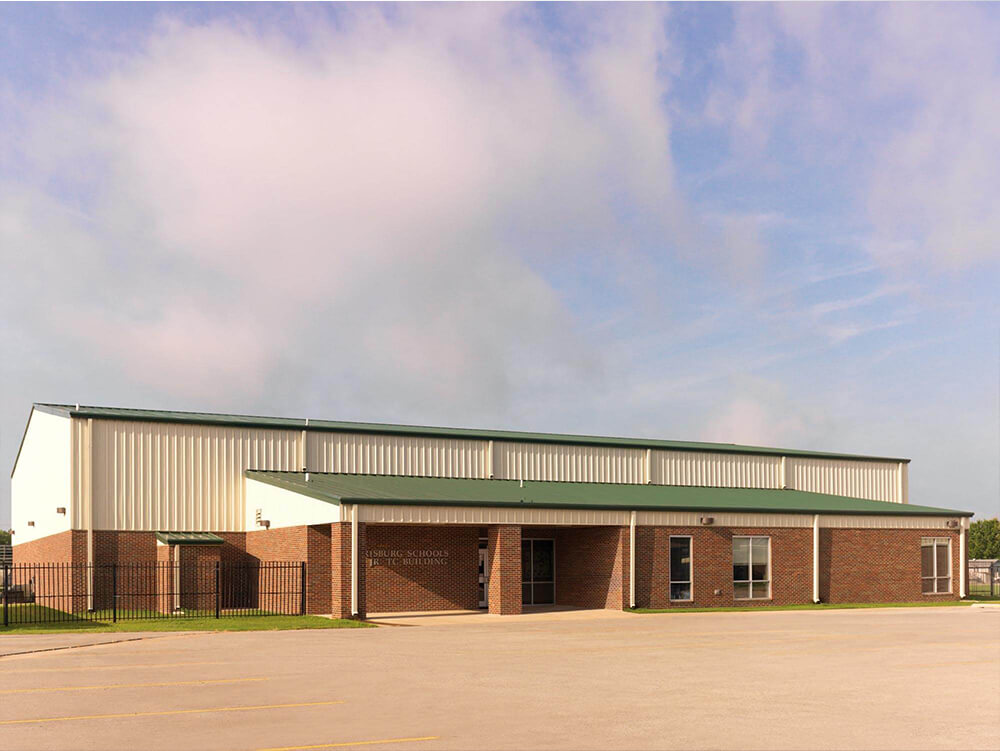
(813, 606)
(229, 623)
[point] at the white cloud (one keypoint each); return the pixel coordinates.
(903, 96)
(363, 208)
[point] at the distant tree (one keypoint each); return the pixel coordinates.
(984, 539)
(4, 537)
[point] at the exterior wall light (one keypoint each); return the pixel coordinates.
(61, 510)
(952, 523)
(31, 524)
(706, 520)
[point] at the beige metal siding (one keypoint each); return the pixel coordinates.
(391, 513)
(876, 481)
(885, 522)
(149, 476)
(556, 462)
(360, 453)
(713, 470)
(721, 519)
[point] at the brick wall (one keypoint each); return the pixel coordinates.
(64, 547)
(445, 579)
(505, 569)
(878, 565)
(712, 566)
(54, 583)
(310, 544)
(591, 566)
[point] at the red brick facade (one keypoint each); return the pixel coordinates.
(421, 568)
(504, 596)
(712, 566)
(878, 565)
(403, 570)
(592, 566)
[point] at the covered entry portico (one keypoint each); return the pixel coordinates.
(502, 568)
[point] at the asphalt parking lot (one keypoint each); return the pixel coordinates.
(873, 679)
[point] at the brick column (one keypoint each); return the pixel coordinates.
(620, 600)
(505, 569)
(340, 550)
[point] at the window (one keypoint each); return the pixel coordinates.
(680, 568)
(935, 565)
(751, 568)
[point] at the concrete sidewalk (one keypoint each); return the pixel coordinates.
(554, 614)
(15, 644)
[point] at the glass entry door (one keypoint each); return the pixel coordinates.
(484, 584)
(538, 572)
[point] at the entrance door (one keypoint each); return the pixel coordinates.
(538, 572)
(483, 578)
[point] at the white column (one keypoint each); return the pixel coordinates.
(631, 561)
(816, 558)
(90, 513)
(963, 566)
(354, 559)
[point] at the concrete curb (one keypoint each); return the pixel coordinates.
(92, 644)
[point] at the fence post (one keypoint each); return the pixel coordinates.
(6, 586)
(114, 593)
(302, 589)
(218, 580)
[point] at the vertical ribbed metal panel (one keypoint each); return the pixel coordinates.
(80, 485)
(711, 470)
(876, 481)
(360, 453)
(560, 463)
(149, 476)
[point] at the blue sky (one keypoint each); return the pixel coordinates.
(769, 224)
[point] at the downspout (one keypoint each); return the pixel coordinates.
(90, 513)
(631, 561)
(963, 566)
(354, 559)
(816, 558)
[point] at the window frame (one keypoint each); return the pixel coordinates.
(751, 581)
(690, 579)
(934, 543)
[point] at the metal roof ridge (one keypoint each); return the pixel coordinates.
(454, 432)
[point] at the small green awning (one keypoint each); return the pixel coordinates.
(189, 538)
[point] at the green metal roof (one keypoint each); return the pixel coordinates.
(342, 488)
(189, 538)
(248, 421)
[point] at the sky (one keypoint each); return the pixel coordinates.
(763, 224)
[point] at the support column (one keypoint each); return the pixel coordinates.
(341, 554)
(963, 561)
(816, 558)
(505, 569)
(631, 560)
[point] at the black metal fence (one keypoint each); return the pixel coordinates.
(53, 592)
(984, 578)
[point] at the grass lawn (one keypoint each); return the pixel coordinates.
(56, 621)
(820, 606)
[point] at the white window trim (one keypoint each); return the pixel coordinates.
(690, 580)
(935, 542)
(751, 581)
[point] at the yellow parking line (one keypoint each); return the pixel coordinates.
(110, 667)
(129, 685)
(169, 712)
(354, 743)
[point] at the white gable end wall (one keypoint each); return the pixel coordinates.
(41, 480)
